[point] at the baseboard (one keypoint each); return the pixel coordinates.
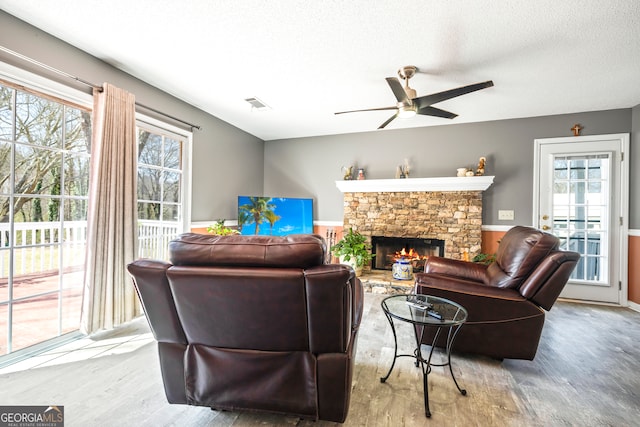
(328, 223)
(634, 306)
(504, 228)
(487, 227)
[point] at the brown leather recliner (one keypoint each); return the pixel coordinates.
(254, 323)
(504, 300)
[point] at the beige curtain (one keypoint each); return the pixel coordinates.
(109, 297)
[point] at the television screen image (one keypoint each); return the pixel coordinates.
(274, 216)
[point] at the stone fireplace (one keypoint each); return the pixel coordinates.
(448, 209)
(387, 250)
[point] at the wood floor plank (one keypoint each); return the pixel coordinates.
(585, 373)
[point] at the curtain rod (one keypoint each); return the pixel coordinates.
(89, 84)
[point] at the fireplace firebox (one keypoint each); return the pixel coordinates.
(389, 249)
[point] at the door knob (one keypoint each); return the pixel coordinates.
(545, 227)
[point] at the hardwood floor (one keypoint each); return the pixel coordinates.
(586, 373)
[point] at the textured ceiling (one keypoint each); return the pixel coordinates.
(308, 59)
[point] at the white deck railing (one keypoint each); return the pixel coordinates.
(154, 238)
(37, 244)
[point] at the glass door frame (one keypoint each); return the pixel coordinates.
(620, 199)
(43, 87)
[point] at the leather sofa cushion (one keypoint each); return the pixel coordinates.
(519, 252)
(293, 251)
(279, 382)
(259, 308)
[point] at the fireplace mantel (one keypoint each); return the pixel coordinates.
(466, 183)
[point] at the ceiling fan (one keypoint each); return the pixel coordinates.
(409, 104)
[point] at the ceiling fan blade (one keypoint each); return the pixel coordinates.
(389, 120)
(433, 111)
(368, 109)
(398, 90)
(425, 101)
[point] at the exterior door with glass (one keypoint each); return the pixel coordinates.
(581, 196)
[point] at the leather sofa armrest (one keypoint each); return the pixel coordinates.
(151, 283)
(358, 302)
(335, 304)
(545, 284)
(484, 303)
(459, 285)
(454, 267)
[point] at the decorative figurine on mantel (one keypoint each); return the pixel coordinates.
(481, 164)
(403, 170)
(576, 129)
(348, 172)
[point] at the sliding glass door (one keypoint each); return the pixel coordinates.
(44, 182)
(45, 149)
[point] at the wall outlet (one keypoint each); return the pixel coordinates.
(506, 215)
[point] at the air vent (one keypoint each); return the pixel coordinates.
(256, 104)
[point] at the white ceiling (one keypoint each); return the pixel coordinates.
(309, 58)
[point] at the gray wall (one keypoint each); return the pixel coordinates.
(309, 167)
(634, 172)
(226, 160)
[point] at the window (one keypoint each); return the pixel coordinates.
(581, 193)
(44, 167)
(161, 189)
(45, 149)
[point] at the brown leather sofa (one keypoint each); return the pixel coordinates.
(504, 300)
(254, 323)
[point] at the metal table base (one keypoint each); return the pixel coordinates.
(425, 364)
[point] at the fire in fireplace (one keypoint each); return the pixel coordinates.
(389, 249)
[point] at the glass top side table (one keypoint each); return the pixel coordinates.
(425, 311)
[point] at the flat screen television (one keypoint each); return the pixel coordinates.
(274, 216)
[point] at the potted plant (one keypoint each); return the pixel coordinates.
(219, 229)
(353, 250)
(483, 258)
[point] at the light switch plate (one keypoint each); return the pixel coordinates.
(506, 215)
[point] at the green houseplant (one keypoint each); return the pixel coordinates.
(219, 229)
(353, 250)
(483, 258)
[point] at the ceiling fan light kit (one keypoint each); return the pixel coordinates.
(406, 111)
(409, 104)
